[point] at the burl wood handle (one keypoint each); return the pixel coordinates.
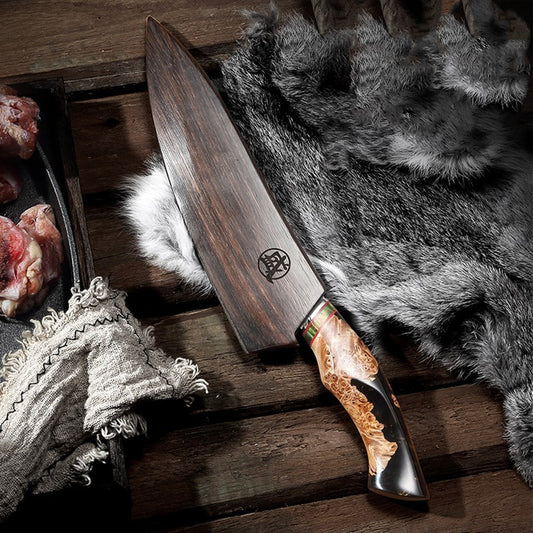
(350, 371)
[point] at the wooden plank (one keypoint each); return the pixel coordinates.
(335, 14)
(113, 137)
(490, 503)
(108, 232)
(244, 382)
(97, 44)
(417, 17)
(88, 36)
(78, 40)
(306, 455)
(154, 293)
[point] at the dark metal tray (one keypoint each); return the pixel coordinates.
(44, 182)
(40, 185)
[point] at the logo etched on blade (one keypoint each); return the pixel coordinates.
(274, 264)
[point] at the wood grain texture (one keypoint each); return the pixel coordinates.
(337, 14)
(298, 456)
(248, 386)
(490, 503)
(418, 17)
(75, 198)
(113, 136)
(103, 42)
(260, 273)
(247, 382)
(415, 16)
(352, 374)
(259, 447)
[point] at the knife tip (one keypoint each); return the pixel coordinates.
(152, 21)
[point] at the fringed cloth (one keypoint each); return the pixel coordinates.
(71, 388)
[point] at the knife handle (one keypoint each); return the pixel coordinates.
(350, 371)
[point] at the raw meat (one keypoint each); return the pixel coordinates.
(18, 137)
(39, 223)
(30, 259)
(20, 267)
(18, 124)
(10, 182)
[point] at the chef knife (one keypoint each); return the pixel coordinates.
(262, 277)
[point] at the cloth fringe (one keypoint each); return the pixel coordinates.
(126, 426)
(43, 329)
(184, 379)
(182, 374)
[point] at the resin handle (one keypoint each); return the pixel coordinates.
(350, 371)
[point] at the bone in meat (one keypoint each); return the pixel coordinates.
(30, 257)
(20, 267)
(39, 222)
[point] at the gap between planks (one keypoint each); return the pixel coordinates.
(489, 502)
(287, 458)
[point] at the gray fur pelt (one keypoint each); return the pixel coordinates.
(398, 165)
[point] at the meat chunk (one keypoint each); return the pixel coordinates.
(6, 89)
(40, 224)
(10, 182)
(20, 267)
(18, 124)
(18, 137)
(30, 257)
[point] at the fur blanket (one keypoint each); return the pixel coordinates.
(399, 166)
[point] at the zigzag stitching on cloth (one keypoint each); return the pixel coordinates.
(120, 315)
(144, 349)
(76, 335)
(48, 362)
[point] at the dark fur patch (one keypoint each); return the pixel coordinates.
(396, 166)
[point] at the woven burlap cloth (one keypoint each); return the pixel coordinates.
(72, 386)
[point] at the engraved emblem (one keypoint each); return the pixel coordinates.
(274, 264)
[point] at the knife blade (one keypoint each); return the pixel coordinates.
(262, 277)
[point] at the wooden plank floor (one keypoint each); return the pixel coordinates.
(268, 449)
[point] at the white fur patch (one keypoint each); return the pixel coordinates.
(159, 227)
